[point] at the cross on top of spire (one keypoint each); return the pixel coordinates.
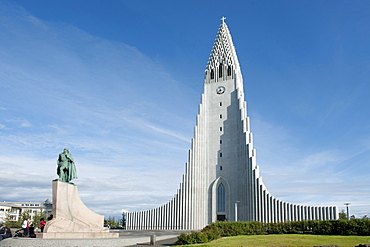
(223, 19)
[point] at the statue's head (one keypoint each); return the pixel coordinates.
(66, 150)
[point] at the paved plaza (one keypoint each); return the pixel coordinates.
(126, 239)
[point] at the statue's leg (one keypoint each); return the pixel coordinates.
(65, 175)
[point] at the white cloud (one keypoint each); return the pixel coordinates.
(26, 124)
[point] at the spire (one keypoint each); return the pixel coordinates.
(223, 51)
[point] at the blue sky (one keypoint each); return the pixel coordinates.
(119, 83)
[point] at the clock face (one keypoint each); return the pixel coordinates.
(220, 90)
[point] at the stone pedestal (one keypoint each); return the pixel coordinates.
(72, 219)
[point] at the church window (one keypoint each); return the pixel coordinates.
(221, 168)
(212, 74)
(220, 128)
(229, 71)
(220, 71)
(220, 115)
(220, 103)
(221, 198)
(220, 154)
(220, 141)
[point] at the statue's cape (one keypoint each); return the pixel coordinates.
(72, 168)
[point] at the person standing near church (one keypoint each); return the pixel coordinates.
(26, 226)
(50, 217)
(42, 224)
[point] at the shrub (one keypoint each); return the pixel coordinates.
(192, 238)
(258, 228)
(206, 235)
(363, 227)
(319, 227)
(322, 227)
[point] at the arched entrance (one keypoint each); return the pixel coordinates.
(220, 200)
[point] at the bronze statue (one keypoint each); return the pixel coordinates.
(66, 167)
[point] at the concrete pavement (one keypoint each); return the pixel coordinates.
(126, 238)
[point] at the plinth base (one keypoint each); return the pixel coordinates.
(66, 235)
(72, 219)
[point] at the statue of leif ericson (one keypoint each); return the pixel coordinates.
(66, 169)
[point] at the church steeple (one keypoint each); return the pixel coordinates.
(223, 62)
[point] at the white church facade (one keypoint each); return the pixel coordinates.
(221, 180)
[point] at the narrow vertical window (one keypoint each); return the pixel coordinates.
(220, 115)
(220, 103)
(220, 168)
(220, 141)
(221, 198)
(212, 74)
(220, 70)
(220, 128)
(229, 71)
(220, 154)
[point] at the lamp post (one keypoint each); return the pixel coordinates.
(347, 205)
(236, 210)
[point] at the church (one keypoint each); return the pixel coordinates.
(221, 180)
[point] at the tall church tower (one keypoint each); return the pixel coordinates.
(221, 180)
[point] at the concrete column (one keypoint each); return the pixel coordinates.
(335, 212)
(277, 206)
(263, 205)
(285, 210)
(269, 200)
(323, 213)
(313, 213)
(296, 213)
(274, 209)
(327, 210)
(302, 212)
(317, 213)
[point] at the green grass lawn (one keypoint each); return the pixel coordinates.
(288, 240)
